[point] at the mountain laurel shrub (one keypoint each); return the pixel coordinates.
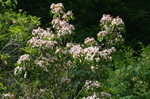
(50, 63)
(54, 66)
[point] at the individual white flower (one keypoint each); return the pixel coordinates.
(23, 58)
(117, 21)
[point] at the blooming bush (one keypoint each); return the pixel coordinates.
(71, 69)
(93, 57)
(103, 47)
(44, 55)
(56, 65)
(64, 62)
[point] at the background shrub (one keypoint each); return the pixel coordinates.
(15, 30)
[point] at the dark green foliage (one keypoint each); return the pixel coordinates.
(8, 4)
(130, 79)
(15, 29)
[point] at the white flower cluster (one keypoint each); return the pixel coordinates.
(94, 96)
(106, 18)
(91, 53)
(117, 21)
(41, 33)
(45, 38)
(43, 62)
(57, 8)
(37, 42)
(23, 58)
(91, 84)
(113, 27)
(76, 50)
(102, 34)
(63, 27)
(89, 41)
(106, 53)
(61, 22)
(21, 69)
(42, 38)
